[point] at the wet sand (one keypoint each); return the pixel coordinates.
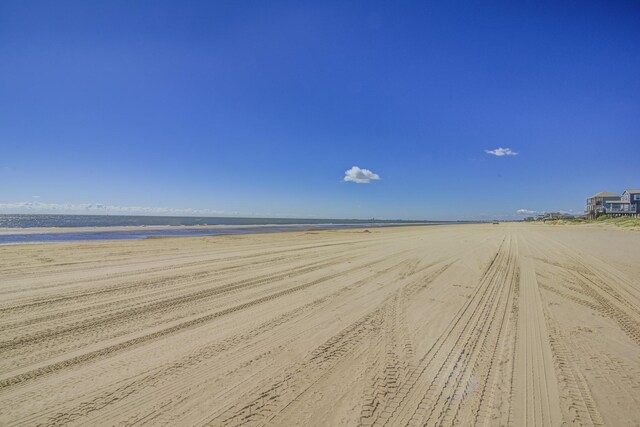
(509, 324)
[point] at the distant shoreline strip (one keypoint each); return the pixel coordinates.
(141, 233)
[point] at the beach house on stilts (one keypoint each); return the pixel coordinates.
(606, 203)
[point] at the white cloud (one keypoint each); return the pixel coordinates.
(99, 208)
(525, 212)
(501, 152)
(360, 176)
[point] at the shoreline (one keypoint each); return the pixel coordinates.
(82, 229)
(17, 236)
(58, 230)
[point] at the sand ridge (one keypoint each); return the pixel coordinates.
(508, 324)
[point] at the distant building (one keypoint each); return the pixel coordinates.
(596, 204)
(606, 203)
(628, 204)
(550, 216)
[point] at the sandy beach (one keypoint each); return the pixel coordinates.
(508, 324)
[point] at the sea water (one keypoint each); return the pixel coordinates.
(176, 226)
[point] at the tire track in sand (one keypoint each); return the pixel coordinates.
(170, 303)
(442, 376)
(110, 350)
(188, 370)
(268, 402)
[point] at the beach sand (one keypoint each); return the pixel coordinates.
(508, 324)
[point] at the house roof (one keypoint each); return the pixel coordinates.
(632, 191)
(604, 194)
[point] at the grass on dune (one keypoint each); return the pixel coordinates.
(621, 221)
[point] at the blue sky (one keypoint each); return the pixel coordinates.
(259, 108)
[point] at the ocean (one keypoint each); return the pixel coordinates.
(175, 226)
